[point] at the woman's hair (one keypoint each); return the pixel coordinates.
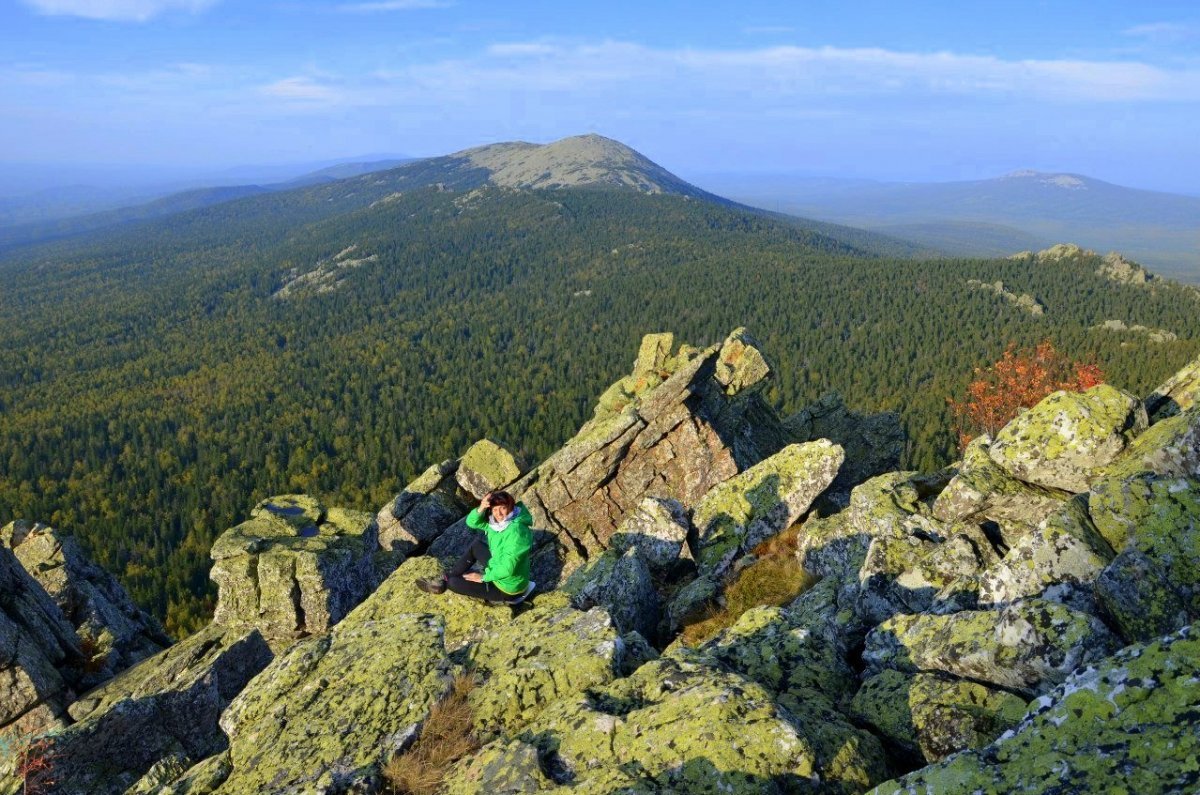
(503, 498)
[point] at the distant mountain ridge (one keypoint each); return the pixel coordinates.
(1020, 210)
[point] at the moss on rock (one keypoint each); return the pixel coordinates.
(931, 716)
(1062, 441)
(1130, 723)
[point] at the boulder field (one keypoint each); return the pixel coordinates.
(1026, 620)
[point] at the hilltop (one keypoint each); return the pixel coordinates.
(1032, 608)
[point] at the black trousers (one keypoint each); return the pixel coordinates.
(479, 553)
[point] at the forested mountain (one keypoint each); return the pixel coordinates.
(156, 380)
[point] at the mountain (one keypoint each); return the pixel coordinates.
(337, 338)
(701, 619)
(1160, 230)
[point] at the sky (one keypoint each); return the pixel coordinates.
(917, 91)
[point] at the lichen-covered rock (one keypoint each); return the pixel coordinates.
(623, 585)
(1153, 585)
(768, 646)
(762, 501)
(1062, 441)
(672, 429)
(741, 364)
(40, 659)
(1170, 447)
(505, 767)
(487, 466)
(203, 778)
(690, 601)
(1059, 561)
(1177, 394)
(827, 609)
(981, 490)
(163, 711)
(419, 514)
(1028, 647)
(930, 716)
(112, 630)
(684, 726)
(464, 619)
(658, 530)
(906, 573)
(829, 547)
(294, 568)
(543, 655)
(1130, 723)
(873, 443)
(331, 710)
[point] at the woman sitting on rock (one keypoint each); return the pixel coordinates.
(503, 552)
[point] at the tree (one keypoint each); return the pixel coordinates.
(1018, 380)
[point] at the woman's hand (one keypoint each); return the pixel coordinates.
(485, 505)
(473, 576)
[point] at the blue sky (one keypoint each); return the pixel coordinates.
(887, 90)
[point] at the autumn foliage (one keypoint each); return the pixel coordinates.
(1018, 380)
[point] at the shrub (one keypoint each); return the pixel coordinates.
(447, 736)
(1019, 379)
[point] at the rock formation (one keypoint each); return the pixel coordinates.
(1024, 620)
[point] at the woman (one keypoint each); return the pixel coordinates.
(503, 552)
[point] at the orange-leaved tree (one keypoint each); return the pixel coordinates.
(1018, 380)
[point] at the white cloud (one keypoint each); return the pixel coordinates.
(395, 5)
(119, 10)
(301, 89)
(1163, 31)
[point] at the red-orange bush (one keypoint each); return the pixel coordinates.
(1019, 379)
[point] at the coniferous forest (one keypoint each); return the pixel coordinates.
(155, 384)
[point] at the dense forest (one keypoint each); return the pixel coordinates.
(154, 382)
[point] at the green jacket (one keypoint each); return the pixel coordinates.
(508, 568)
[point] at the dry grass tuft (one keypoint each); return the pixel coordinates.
(446, 737)
(775, 578)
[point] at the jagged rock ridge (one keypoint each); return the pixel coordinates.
(1037, 600)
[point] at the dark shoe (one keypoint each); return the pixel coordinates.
(433, 585)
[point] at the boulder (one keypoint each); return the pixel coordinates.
(680, 725)
(1129, 723)
(1028, 647)
(830, 547)
(764, 500)
(40, 659)
(505, 767)
(674, 428)
(294, 568)
(907, 572)
(113, 632)
(332, 710)
(623, 585)
(658, 530)
(1059, 561)
(931, 716)
(161, 715)
(873, 443)
(420, 513)
(981, 491)
(1062, 441)
(545, 654)
(1177, 394)
(690, 601)
(487, 466)
(1153, 584)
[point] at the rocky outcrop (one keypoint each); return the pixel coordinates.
(677, 426)
(1131, 721)
(873, 443)
(40, 659)
(1177, 394)
(329, 712)
(1061, 442)
(764, 500)
(113, 632)
(295, 568)
(487, 466)
(420, 513)
(1027, 647)
(1025, 302)
(165, 708)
